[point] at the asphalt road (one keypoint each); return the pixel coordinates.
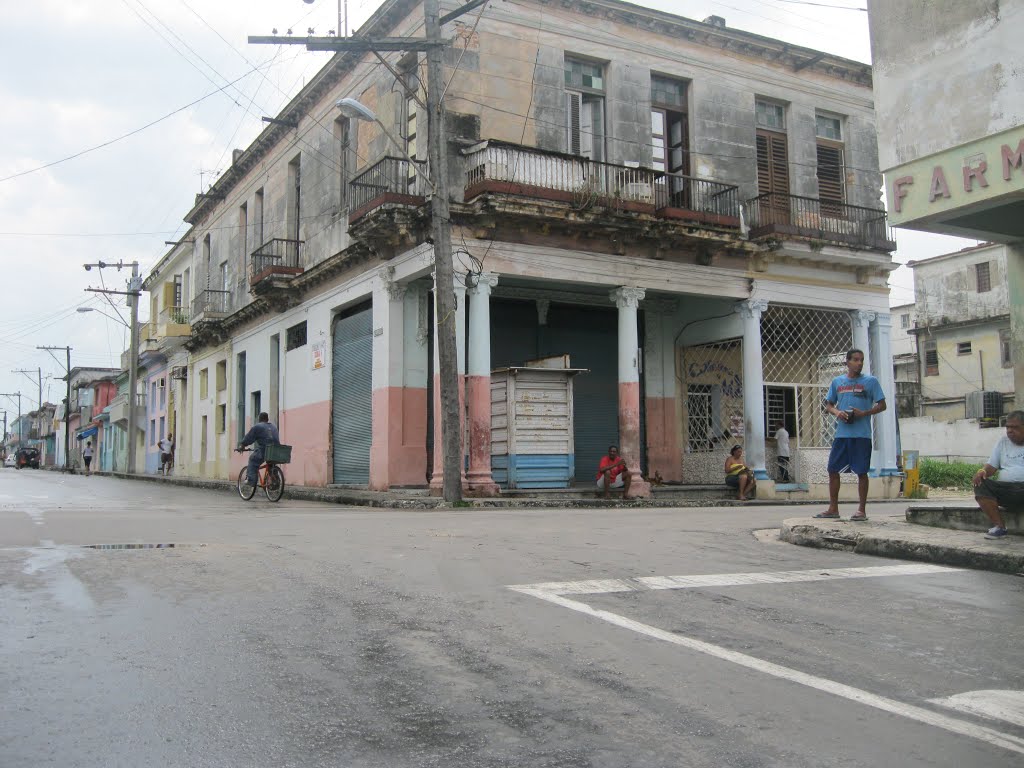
(307, 634)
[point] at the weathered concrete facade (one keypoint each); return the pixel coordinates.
(310, 270)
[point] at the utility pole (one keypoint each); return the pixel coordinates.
(437, 153)
(67, 403)
(39, 381)
(133, 293)
(21, 426)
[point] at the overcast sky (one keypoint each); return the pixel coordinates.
(84, 73)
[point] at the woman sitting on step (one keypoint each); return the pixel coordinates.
(738, 475)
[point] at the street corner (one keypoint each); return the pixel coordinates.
(824, 533)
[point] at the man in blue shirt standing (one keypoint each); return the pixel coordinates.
(853, 398)
(262, 434)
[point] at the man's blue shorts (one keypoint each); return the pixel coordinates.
(850, 454)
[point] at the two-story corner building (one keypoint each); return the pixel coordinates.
(962, 333)
(962, 174)
(690, 213)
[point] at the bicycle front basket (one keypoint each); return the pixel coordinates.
(278, 454)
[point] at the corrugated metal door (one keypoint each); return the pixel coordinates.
(351, 371)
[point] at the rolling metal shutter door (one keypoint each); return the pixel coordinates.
(352, 366)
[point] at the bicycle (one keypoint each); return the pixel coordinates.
(269, 477)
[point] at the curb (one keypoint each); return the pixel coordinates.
(908, 542)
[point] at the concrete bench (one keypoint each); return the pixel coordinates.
(963, 518)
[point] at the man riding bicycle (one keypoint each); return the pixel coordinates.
(262, 434)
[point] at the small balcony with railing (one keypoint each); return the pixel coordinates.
(173, 322)
(278, 258)
(499, 168)
(779, 215)
(391, 182)
(211, 305)
(119, 411)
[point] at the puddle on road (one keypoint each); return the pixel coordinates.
(170, 545)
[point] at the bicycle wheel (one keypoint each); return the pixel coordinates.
(245, 490)
(275, 483)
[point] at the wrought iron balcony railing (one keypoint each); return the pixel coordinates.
(391, 180)
(530, 172)
(174, 315)
(775, 213)
(277, 257)
(210, 304)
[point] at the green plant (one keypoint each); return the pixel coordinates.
(957, 474)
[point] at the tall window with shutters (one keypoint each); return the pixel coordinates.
(831, 165)
(584, 106)
(414, 129)
(772, 160)
(670, 137)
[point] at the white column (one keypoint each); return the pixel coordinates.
(885, 422)
(753, 385)
(478, 384)
(860, 319)
(627, 300)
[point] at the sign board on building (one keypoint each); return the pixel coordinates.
(319, 354)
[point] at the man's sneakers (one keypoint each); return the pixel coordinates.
(996, 532)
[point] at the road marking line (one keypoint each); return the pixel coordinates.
(552, 593)
(605, 586)
(995, 705)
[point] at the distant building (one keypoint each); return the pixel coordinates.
(954, 342)
(951, 145)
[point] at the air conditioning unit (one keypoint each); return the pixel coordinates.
(985, 405)
(179, 372)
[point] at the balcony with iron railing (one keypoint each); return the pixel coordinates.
(775, 214)
(276, 258)
(512, 169)
(390, 182)
(211, 305)
(173, 321)
(119, 410)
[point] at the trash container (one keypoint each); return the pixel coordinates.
(911, 474)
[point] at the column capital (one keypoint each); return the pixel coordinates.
(627, 297)
(861, 317)
(751, 308)
(882, 319)
(483, 283)
(394, 290)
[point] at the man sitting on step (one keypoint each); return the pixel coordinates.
(1008, 491)
(612, 473)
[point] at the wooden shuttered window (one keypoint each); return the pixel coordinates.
(831, 178)
(772, 163)
(773, 176)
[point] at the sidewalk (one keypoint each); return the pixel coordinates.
(889, 535)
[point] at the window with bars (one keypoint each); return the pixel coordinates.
(295, 337)
(963, 347)
(1004, 348)
(931, 359)
(984, 276)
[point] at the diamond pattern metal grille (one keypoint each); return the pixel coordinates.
(803, 350)
(713, 387)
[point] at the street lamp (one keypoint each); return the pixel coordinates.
(112, 317)
(356, 110)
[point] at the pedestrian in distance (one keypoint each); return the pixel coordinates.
(852, 398)
(1008, 491)
(612, 473)
(87, 456)
(166, 446)
(782, 451)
